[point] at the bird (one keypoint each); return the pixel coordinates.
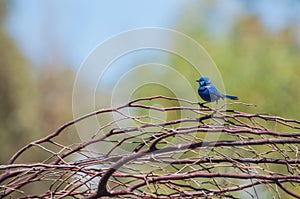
(209, 93)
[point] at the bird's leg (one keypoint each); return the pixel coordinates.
(214, 112)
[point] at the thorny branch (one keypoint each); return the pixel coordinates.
(192, 152)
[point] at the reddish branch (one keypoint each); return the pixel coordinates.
(172, 163)
(102, 191)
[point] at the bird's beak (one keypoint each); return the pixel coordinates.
(197, 80)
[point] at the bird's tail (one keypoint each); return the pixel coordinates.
(231, 97)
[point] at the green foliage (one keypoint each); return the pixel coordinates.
(33, 101)
(260, 67)
(15, 89)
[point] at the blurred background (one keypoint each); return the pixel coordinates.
(255, 44)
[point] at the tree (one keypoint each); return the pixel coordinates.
(16, 87)
(163, 159)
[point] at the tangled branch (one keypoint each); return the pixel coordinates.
(194, 152)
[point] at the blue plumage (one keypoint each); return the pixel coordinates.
(209, 93)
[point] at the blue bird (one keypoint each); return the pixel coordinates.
(209, 93)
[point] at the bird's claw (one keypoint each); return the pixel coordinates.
(202, 105)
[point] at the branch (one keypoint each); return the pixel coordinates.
(208, 151)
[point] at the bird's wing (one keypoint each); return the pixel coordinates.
(213, 91)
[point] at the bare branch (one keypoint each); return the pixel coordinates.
(201, 152)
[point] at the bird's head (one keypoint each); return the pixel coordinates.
(203, 81)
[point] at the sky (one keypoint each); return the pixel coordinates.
(55, 32)
(74, 29)
(68, 30)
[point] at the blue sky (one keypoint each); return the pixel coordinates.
(74, 28)
(68, 30)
